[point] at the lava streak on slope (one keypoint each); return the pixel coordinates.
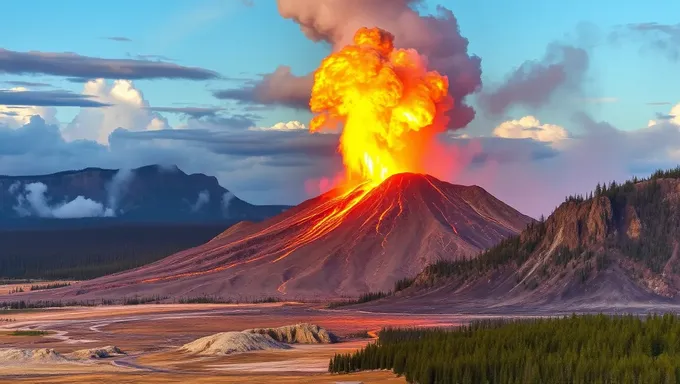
(389, 104)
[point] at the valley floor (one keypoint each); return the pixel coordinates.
(151, 334)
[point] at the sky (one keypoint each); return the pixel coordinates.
(551, 97)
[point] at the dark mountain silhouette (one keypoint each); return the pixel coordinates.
(147, 194)
(333, 245)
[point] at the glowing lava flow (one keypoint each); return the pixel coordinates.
(389, 104)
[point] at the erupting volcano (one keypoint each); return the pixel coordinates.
(389, 105)
(385, 221)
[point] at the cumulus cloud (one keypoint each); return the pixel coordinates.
(535, 184)
(534, 83)
(128, 109)
(33, 202)
(528, 127)
(672, 117)
(77, 66)
(202, 199)
(335, 21)
(289, 126)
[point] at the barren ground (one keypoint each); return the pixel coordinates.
(151, 333)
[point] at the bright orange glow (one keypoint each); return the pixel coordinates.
(389, 104)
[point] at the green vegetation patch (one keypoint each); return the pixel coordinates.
(577, 349)
(20, 332)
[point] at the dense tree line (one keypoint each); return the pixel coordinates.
(42, 287)
(85, 253)
(577, 349)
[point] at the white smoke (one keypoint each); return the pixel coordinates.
(227, 197)
(14, 187)
(117, 188)
(203, 199)
(33, 202)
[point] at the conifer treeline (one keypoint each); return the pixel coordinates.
(577, 349)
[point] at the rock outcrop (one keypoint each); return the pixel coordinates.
(97, 353)
(302, 333)
(226, 343)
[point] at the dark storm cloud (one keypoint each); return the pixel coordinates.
(27, 84)
(48, 99)
(249, 143)
(73, 65)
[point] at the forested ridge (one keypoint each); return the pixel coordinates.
(86, 253)
(586, 349)
(660, 226)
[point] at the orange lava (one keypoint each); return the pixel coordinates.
(389, 105)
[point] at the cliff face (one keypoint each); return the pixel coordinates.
(151, 193)
(616, 248)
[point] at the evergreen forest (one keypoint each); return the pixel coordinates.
(589, 349)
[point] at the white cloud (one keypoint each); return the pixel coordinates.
(33, 202)
(673, 117)
(202, 199)
(528, 127)
(17, 116)
(128, 110)
(289, 126)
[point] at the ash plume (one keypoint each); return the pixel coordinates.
(533, 83)
(335, 22)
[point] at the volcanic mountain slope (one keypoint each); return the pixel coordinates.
(147, 194)
(335, 244)
(619, 248)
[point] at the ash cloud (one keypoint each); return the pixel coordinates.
(281, 87)
(335, 22)
(534, 83)
(72, 65)
(663, 38)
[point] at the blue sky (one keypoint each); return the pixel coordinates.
(240, 41)
(620, 68)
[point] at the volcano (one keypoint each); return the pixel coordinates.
(337, 244)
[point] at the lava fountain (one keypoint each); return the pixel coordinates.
(389, 105)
